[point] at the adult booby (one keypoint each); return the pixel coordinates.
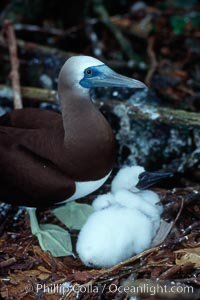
(47, 158)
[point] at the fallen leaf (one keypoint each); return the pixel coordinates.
(162, 233)
(73, 214)
(186, 255)
(43, 269)
(55, 239)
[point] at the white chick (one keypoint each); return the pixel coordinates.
(152, 198)
(103, 201)
(112, 235)
(127, 178)
(125, 193)
(124, 221)
(135, 201)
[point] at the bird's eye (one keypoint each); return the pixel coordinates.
(88, 71)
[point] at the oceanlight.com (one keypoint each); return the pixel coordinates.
(134, 289)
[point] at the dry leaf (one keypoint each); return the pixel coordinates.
(162, 233)
(186, 255)
(43, 269)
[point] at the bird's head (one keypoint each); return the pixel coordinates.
(135, 178)
(80, 73)
(127, 178)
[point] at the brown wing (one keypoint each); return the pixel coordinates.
(31, 118)
(27, 176)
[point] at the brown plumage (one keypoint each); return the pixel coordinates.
(43, 154)
(28, 176)
(34, 162)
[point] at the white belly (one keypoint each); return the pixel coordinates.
(86, 187)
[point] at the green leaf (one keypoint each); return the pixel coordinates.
(55, 239)
(178, 24)
(73, 214)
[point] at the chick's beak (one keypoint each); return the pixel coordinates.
(147, 179)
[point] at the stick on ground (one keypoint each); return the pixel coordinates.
(15, 78)
(153, 61)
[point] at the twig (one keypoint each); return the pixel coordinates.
(181, 239)
(35, 28)
(39, 49)
(169, 273)
(153, 61)
(128, 261)
(4, 12)
(49, 30)
(45, 50)
(179, 212)
(189, 195)
(15, 78)
(190, 228)
(121, 39)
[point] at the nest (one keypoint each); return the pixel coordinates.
(29, 273)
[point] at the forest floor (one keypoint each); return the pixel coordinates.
(158, 44)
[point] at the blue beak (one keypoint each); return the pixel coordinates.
(103, 76)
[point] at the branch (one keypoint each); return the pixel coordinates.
(63, 55)
(47, 30)
(15, 78)
(39, 49)
(121, 39)
(30, 93)
(152, 57)
(171, 117)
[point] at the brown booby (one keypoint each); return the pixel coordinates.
(47, 158)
